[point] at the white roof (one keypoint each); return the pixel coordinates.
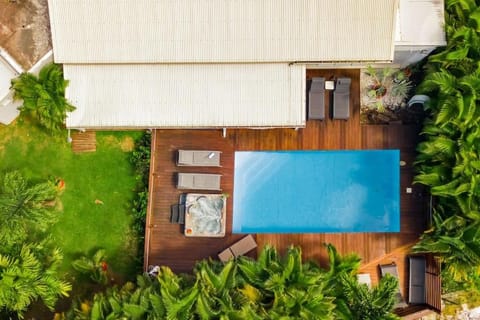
(205, 31)
(186, 95)
(420, 23)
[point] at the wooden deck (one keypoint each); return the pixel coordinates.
(84, 141)
(165, 242)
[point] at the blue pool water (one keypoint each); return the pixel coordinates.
(316, 191)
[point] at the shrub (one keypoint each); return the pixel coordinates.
(140, 160)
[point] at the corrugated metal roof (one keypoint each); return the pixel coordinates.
(186, 96)
(177, 31)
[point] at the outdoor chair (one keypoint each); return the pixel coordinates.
(177, 213)
(198, 158)
(364, 278)
(416, 279)
(341, 99)
(316, 99)
(239, 248)
(392, 270)
(198, 181)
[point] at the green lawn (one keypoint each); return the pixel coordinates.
(99, 188)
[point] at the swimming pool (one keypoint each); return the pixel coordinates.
(316, 191)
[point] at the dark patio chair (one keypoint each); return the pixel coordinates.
(177, 213)
(416, 281)
(316, 99)
(341, 99)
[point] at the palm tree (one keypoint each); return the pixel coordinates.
(217, 285)
(286, 286)
(340, 267)
(178, 295)
(43, 96)
(271, 287)
(367, 304)
(456, 240)
(29, 275)
(28, 263)
(25, 210)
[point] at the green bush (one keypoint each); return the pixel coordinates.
(140, 160)
(95, 267)
(271, 287)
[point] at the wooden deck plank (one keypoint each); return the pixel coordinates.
(166, 243)
(84, 141)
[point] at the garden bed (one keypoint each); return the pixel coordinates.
(384, 95)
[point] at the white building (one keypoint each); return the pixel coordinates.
(218, 63)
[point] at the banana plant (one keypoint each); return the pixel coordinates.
(94, 266)
(456, 240)
(43, 96)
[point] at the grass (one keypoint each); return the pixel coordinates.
(99, 188)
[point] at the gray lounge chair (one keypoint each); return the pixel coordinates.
(198, 181)
(416, 281)
(392, 270)
(341, 99)
(316, 99)
(198, 158)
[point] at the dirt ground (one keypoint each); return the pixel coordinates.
(25, 30)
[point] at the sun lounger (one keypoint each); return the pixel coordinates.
(199, 181)
(364, 278)
(198, 158)
(341, 99)
(226, 255)
(239, 248)
(316, 99)
(416, 281)
(392, 270)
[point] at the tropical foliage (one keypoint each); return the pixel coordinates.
(140, 160)
(95, 267)
(29, 274)
(449, 158)
(367, 304)
(28, 261)
(385, 88)
(272, 287)
(25, 209)
(43, 96)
